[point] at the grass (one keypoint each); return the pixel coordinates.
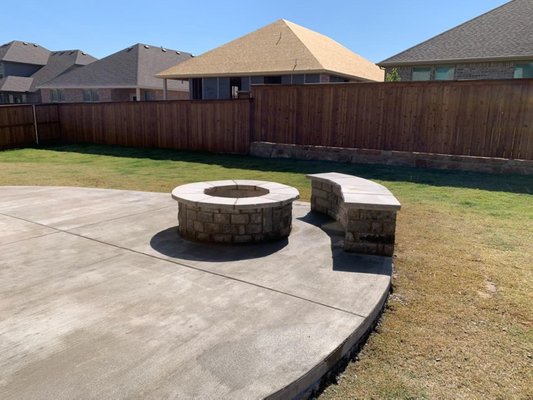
(459, 322)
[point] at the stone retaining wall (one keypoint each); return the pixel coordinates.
(402, 158)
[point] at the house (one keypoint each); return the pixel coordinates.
(127, 75)
(495, 45)
(280, 53)
(24, 66)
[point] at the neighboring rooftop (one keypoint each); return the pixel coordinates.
(132, 67)
(24, 52)
(13, 83)
(279, 48)
(60, 62)
(503, 33)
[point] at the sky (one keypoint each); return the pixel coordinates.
(375, 29)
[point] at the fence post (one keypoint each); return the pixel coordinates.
(35, 124)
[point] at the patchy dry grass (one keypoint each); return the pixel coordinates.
(459, 323)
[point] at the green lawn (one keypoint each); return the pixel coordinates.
(459, 322)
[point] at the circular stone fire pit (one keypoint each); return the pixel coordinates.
(235, 211)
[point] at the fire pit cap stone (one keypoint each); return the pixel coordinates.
(239, 193)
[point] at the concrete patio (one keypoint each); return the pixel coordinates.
(100, 298)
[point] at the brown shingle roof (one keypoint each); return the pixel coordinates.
(132, 67)
(279, 48)
(503, 33)
(24, 52)
(15, 84)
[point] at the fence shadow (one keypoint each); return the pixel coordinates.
(432, 177)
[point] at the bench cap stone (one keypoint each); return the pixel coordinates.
(359, 192)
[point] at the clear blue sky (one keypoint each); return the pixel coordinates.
(375, 29)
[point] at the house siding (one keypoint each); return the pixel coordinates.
(219, 88)
(466, 71)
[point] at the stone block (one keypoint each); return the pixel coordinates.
(198, 226)
(267, 220)
(204, 237)
(376, 227)
(204, 216)
(259, 238)
(189, 226)
(322, 202)
(256, 218)
(242, 238)
(222, 238)
(240, 219)
(221, 218)
(212, 228)
(319, 193)
(253, 228)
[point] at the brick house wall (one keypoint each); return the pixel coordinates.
(109, 95)
(467, 71)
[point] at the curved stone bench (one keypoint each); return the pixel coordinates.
(365, 209)
(235, 211)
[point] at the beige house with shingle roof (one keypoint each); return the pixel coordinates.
(280, 53)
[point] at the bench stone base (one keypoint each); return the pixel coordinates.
(367, 231)
(226, 225)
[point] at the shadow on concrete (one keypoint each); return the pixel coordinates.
(342, 260)
(169, 243)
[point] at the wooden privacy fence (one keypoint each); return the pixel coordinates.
(215, 126)
(26, 125)
(475, 118)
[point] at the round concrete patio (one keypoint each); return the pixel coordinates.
(101, 298)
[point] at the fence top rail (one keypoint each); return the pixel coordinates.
(476, 82)
(133, 103)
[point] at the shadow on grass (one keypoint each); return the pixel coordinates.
(432, 177)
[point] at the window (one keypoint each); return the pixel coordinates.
(148, 95)
(444, 73)
(421, 74)
(57, 95)
(90, 95)
(272, 80)
(196, 89)
(1, 70)
(523, 71)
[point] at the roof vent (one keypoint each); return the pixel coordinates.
(146, 46)
(35, 45)
(25, 43)
(163, 50)
(130, 49)
(83, 53)
(178, 53)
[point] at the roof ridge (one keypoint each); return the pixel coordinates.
(447, 31)
(288, 24)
